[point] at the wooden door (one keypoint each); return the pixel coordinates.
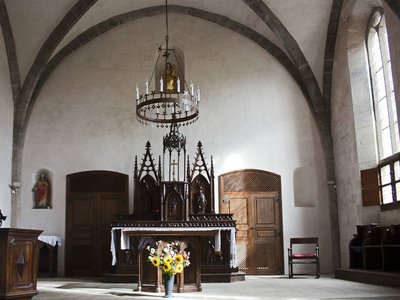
(265, 234)
(93, 200)
(258, 223)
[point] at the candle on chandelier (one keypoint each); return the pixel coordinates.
(191, 88)
(178, 85)
(161, 85)
(147, 87)
(137, 93)
(198, 93)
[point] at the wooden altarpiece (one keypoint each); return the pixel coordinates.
(171, 209)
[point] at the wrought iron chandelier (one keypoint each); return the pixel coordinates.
(172, 101)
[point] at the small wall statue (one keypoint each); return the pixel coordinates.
(42, 192)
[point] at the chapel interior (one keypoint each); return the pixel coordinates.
(236, 127)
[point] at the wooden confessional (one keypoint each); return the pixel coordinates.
(174, 201)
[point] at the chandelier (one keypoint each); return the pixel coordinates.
(172, 101)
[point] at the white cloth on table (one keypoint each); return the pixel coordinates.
(52, 240)
(124, 240)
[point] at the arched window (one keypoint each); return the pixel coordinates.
(384, 104)
(382, 85)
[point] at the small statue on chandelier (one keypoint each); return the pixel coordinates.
(171, 77)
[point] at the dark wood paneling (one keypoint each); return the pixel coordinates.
(93, 200)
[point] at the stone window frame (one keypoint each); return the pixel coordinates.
(384, 103)
(381, 84)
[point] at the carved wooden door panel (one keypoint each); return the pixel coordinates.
(259, 247)
(258, 219)
(266, 245)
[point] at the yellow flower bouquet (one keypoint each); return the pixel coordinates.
(168, 257)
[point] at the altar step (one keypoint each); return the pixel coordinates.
(369, 276)
(223, 277)
(217, 277)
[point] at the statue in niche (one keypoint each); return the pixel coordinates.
(201, 201)
(172, 211)
(42, 192)
(171, 78)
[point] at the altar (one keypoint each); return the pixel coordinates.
(205, 243)
(178, 209)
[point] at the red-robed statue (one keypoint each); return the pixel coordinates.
(42, 192)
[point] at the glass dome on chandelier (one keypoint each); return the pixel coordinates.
(172, 101)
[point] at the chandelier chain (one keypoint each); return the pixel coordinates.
(166, 23)
(173, 103)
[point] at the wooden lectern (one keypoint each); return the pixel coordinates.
(19, 252)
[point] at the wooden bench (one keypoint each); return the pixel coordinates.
(304, 250)
(391, 249)
(376, 247)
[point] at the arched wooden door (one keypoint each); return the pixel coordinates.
(254, 198)
(93, 200)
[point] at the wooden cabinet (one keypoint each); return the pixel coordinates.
(19, 250)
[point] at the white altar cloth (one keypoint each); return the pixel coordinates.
(124, 242)
(50, 239)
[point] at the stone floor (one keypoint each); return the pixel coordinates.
(253, 288)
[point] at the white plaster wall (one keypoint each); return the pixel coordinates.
(6, 127)
(252, 115)
(307, 21)
(31, 23)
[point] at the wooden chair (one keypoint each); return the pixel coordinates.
(300, 253)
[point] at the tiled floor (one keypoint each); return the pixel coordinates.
(253, 288)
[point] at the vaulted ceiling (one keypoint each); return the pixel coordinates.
(299, 33)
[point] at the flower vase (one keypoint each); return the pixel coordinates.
(168, 285)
